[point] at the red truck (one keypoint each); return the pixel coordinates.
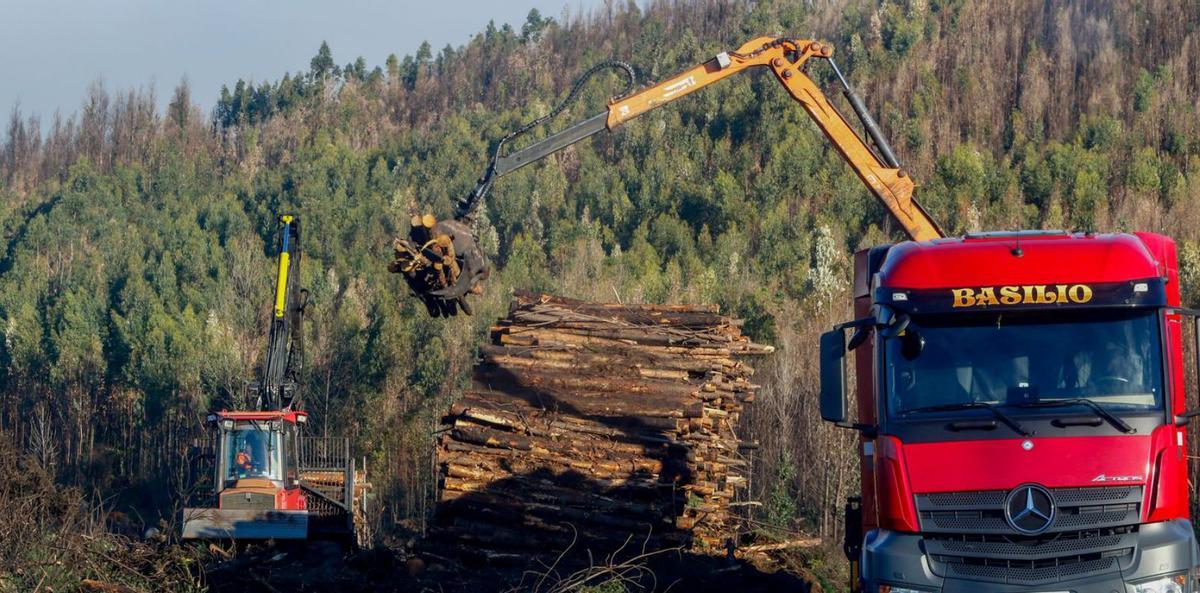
(1022, 410)
(1020, 396)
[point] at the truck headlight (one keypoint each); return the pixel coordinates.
(1176, 583)
(895, 589)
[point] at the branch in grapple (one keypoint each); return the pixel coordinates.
(441, 263)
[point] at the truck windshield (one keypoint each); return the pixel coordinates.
(1018, 360)
(252, 451)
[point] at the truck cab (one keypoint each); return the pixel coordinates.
(1021, 404)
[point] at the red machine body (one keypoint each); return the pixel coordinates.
(287, 492)
(258, 490)
(268, 481)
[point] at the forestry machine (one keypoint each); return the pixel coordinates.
(1021, 401)
(442, 263)
(269, 481)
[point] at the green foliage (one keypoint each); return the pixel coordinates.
(322, 63)
(963, 169)
(1189, 272)
(1147, 84)
(1143, 171)
(781, 507)
(1088, 191)
(137, 254)
(901, 29)
(610, 586)
(1101, 133)
(535, 25)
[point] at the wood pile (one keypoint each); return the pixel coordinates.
(596, 423)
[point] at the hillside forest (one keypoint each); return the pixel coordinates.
(138, 243)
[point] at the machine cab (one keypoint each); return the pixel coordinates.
(252, 451)
(256, 446)
(257, 459)
(256, 479)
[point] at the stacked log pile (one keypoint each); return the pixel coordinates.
(594, 423)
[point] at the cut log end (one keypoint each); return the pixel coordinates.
(602, 419)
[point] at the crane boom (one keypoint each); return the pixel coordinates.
(265, 483)
(785, 57)
(442, 277)
(285, 345)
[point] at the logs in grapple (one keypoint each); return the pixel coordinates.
(597, 423)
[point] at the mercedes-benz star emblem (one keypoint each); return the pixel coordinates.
(1029, 509)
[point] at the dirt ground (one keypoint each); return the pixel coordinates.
(328, 567)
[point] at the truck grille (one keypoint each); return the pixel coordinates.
(966, 536)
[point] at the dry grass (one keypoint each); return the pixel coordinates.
(52, 539)
(623, 570)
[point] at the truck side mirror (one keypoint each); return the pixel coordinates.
(1185, 418)
(833, 376)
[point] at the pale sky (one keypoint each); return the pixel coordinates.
(51, 50)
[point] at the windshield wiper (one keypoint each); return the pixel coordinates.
(1001, 416)
(1098, 409)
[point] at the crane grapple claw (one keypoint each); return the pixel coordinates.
(441, 263)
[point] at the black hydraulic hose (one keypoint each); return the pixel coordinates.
(868, 122)
(468, 204)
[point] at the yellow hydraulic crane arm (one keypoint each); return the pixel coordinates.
(786, 58)
(879, 169)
